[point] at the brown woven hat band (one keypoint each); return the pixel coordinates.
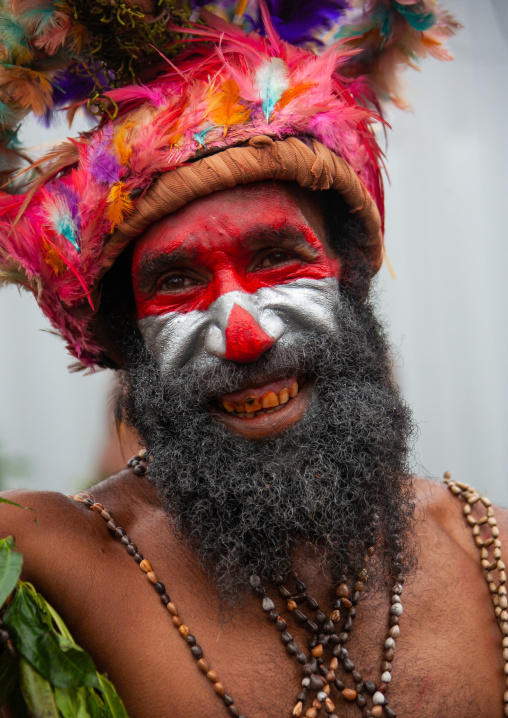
(290, 159)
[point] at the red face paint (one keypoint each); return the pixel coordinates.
(236, 240)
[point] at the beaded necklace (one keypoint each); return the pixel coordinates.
(327, 651)
(328, 634)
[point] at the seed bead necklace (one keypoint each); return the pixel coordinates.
(327, 651)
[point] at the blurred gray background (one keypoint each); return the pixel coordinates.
(446, 311)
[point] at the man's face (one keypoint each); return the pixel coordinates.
(230, 275)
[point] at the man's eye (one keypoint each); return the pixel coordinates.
(176, 283)
(275, 258)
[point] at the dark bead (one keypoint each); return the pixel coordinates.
(307, 669)
(313, 642)
(299, 598)
(286, 637)
(320, 617)
(324, 670)
(292, 648)
(281, 624)
(4, 636)
(260, 592)
(360, 687)
(197, 652)
(324, 640)
(302, 696)
(343, 654)
(132, 461)
(301, 658)
(125, 540)
(254, 581)
(339, 685)
(284, 592)
(300, 616)
(277, 580)
(328, 626)
(343, 637)
(357, 677)
(337, 605)
(301, 586)
(139, 470)
(228, 700)
(191, 640)
(120, 532)
(356, 598)
(138, 557)
(312, 603)
(390, 713)
(316, 683)
(334, 639)
(361, 700)
(273, 616)
(87, 502)
(313, 664)
(132, 549)
(165, 599)
(348, 625)
(370, 687)
(312, 627)
(160, 588)
(366, 713)
(319, 661)
(394, 620)
(111, 525)
(348, 665)
(233, 710)
(352, 612)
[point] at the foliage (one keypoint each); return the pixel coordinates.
(52, 676)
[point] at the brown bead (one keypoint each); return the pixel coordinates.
(203, 665)
(184, 630)
(331, 676)
(329, 706)
(359, 586)
(346, 602)
(316, 704)
(389, 654)
(292, 605)
(106, 515)
(342, 590)
(97, 508)
(212, 676)
(382, 687)
(219, 688)
(317, 652)
(177, 621)
(334, 664)
(152, 577)
(326, 689)
(335, 616)
(349, 694)
(145, 565)
(376, 711)
(172, 608)
(386, 666)
(297, 710)
(311, 713)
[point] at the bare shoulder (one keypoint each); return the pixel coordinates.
(50, 525)
(446, 509)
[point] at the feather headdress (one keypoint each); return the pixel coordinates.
(168, 84)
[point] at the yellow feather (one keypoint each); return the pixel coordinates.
(225, 108)
(123, 149)
(119, 204)
(292, 92)
(53, 259)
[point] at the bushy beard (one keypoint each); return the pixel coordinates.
(336, 480)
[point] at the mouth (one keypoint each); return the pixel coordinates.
(255, 412)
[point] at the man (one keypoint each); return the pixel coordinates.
(274, 499)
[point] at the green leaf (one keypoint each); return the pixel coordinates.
(74, 704)
(112, 699)
(18, 506)
(58, 659)
(37, 692)
(8, 676)
(10, 567)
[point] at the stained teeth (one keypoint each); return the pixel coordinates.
(294, 390)
(228, 407)
(283, 396)
(252, 403)
(269, 400)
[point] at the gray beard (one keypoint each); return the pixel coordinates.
(337, 480)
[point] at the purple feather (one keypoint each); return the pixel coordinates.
(104, 165)
(71, 86)
(297, 21)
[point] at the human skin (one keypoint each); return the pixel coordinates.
(448, 658)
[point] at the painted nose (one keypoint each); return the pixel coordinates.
(245, 339)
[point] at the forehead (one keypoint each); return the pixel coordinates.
(239, 216)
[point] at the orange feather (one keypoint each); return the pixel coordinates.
(119, 204)
(226, 109)
(292, 92)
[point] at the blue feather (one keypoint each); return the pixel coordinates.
(420, 21)
(272, 78)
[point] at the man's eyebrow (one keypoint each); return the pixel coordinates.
(152, 265)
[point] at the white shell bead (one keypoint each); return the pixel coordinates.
(386, 677)
(395, 631)
(378, 698)
(389, 643)
(397, 610)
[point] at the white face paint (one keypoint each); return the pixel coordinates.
(177, 338)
